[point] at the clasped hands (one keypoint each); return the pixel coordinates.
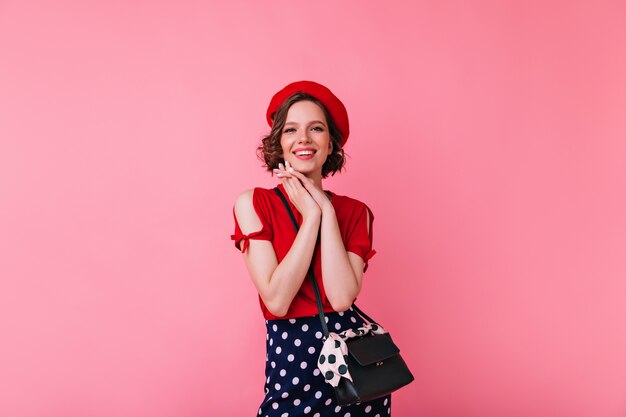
(304, 194)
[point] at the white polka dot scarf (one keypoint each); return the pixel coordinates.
(332, 362)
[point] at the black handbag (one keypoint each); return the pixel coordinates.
(373, 360)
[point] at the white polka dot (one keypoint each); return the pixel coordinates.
(273, 364)
(285, 395)
(306, 387)
(341, 314)
(284, 415)
(337, 326)
(337, 409)
(267, 380)
(316, 415)
(389, 411)
(292, 321)
(318, 394)
(377, 415)
(318, 335)
(295, 380)
(386, 401)
(305, 327)
(328, 401)
(368, 408)
(307, 410)
(283, 372)
(275, 406)
(326, 318)
(346, 415)
(275, 327)
(271, 342)
(303, 365)
(278, 349)
(316, 372)
(311, 350)
(267, 337)
(297, 342)
(285, 335)
(290, 358)
(353, 319)
(259, 411)
(296, 402)
(277, 386)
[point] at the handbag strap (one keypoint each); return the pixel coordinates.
(316, 289)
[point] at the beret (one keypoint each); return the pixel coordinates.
(335, 107)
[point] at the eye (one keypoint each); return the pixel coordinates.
(289, 130)
(318, 128)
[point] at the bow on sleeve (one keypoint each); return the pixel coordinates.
(239, 236)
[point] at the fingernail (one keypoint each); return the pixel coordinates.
(290, 169)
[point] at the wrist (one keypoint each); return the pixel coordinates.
(328, 209)
(312, 218)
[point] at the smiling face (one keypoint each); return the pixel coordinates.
(305, 138)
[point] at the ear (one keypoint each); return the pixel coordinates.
(330, 146)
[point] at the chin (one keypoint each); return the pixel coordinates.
(303, 167)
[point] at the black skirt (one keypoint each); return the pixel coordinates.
(293, 385)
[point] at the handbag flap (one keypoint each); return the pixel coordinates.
(371, 349)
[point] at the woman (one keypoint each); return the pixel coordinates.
(309, 127)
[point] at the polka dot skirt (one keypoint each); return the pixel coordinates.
(294, 386)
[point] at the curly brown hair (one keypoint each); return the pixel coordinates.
(271, 152)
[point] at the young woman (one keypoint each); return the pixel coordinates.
(309, 128)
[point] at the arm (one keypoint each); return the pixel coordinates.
(277, 283)
(342, 271)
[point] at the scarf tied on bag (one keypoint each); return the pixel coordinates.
(332, 360)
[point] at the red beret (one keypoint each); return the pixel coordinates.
(334, 106)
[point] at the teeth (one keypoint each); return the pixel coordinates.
(301, 153)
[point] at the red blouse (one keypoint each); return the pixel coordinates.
(278, 228)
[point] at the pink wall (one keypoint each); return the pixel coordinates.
(489, 138)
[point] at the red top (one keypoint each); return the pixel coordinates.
(278, 228)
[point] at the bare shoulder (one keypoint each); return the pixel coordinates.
(244, 211)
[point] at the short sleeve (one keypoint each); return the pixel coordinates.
(359, 240)
(265, 233)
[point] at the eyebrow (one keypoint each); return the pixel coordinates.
(310, 123)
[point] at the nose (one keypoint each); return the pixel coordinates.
(304, 137)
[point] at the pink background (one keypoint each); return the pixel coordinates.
(489, 139)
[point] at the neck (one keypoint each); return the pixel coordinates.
(317, 179)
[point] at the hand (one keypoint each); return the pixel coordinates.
(318, 195)
(297, 193)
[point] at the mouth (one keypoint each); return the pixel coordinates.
(305, 154)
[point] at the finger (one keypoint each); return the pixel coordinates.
(297, 185)
(288, 190)
(301, 176)
(281, 174)
(288, 184)
(306, 182)
(281, 171)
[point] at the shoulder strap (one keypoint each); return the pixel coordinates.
(318, 297)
